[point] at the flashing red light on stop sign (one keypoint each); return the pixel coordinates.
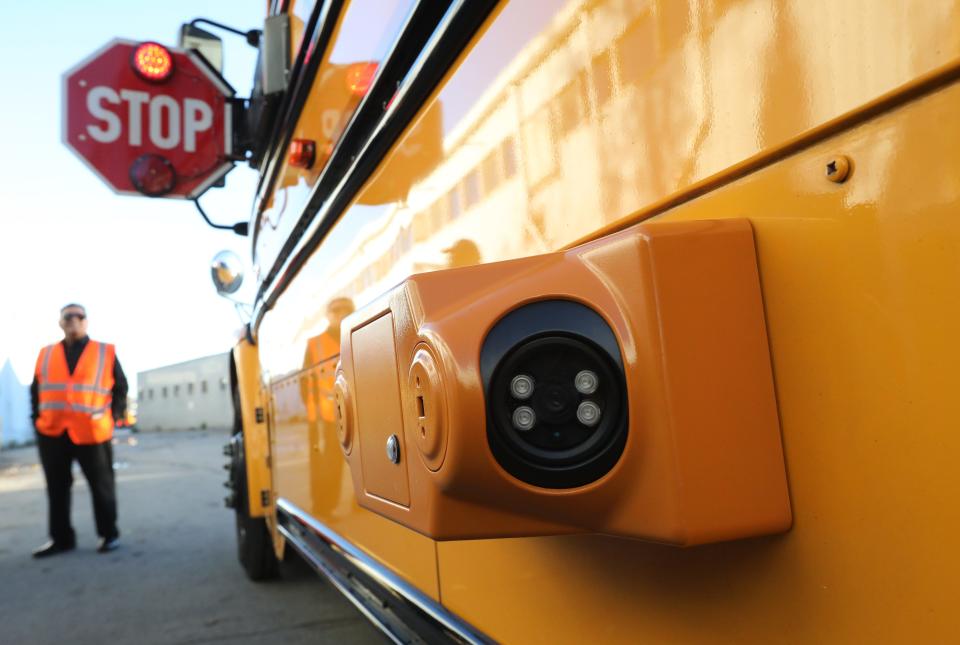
(149, 119)
(152, 175)
(152, 62)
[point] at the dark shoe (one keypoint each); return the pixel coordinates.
(108, 544)
(52, 548)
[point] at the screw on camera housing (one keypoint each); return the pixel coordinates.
(556, 394)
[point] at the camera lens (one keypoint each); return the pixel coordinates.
(555, 402)
(555, 423)
(555, 398)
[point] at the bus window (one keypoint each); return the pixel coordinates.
(362, 39)
(299, 12)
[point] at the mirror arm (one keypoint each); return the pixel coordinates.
(240, 228)
(252, 36)
(244, 311)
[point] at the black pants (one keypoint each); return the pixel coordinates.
(96, 462)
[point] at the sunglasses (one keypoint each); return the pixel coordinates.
(71, 316)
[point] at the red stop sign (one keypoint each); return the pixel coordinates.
(149, 119)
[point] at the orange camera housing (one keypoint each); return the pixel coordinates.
(702, 459)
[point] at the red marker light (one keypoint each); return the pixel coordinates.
(303, 152)
(153, 175)
(359, 77)
(152, 62)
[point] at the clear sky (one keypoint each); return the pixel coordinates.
(140, 266)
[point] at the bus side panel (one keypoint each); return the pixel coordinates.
(565, 118)
(309, 467)
(860, 281)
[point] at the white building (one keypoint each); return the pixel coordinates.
(15, 425)
(191, 395)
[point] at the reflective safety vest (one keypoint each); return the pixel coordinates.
(78, 403)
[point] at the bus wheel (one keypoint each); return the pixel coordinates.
(254, 546)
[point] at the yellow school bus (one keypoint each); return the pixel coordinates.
(609, 320)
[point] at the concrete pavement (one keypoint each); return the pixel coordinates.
(175, 580)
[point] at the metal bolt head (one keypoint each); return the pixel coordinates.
(524, 418)
(521, 386)
(586, 382)
(588, 413)
(393, 449)
(838, 169)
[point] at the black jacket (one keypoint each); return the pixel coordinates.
(73, 352)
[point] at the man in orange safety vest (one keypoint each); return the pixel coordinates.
(78, 390)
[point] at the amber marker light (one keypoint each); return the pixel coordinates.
(152, 62)
(303, 152)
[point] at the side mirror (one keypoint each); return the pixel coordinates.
(226, 270)
(209, 46)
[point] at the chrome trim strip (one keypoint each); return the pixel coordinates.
(321, 566)
(330, 199)
(318, 31)
(384, 576)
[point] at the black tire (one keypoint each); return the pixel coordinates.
(254, 545)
